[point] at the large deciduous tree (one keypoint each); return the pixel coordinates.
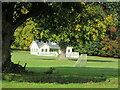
(13, 15)
(72, 23)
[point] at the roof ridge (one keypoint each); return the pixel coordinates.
(49, 43)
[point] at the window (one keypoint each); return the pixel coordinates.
(45, 50)
(68, 50)
(42, 50)
(35, 49)
(57, 50)
(51, 50)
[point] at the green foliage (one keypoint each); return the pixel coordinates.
(92, 48)
(107, 47)
(110, 47)
(24, 35)
(73, 23)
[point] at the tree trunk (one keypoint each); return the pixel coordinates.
(7, 65)
(62, 55)
(6, 41)
(7, 35)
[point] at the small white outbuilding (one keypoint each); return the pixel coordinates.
(49, 49)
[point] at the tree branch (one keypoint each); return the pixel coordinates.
(38, 9)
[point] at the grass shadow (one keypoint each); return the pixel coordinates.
(49, 59)
(91, 60)
(64, 75)
(83, 71)
(44, 58)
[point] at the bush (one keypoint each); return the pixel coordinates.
(107, 48)
(110, 48)
(91, 48)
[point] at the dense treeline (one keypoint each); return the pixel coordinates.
(107, 48)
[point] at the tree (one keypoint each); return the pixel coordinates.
(111, 41)
(72, 23)
(109, 45)
(13, 15)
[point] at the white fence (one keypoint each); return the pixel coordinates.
(72, 54)
(47, 54)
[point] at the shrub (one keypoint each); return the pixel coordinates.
(110, 48)
(91, 48)
(107, 48)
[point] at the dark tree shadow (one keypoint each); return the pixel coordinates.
(44, 58)
(91, 60)
(49, 59)
(65, 75)
(79, 75)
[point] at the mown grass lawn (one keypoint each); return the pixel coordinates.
(100, 72)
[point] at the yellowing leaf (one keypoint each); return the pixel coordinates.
(83, 3)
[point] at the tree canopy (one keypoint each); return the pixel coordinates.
(73, 22)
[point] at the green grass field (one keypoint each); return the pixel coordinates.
(99, 72)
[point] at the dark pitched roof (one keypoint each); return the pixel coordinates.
(53, 46)
(48, 43)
